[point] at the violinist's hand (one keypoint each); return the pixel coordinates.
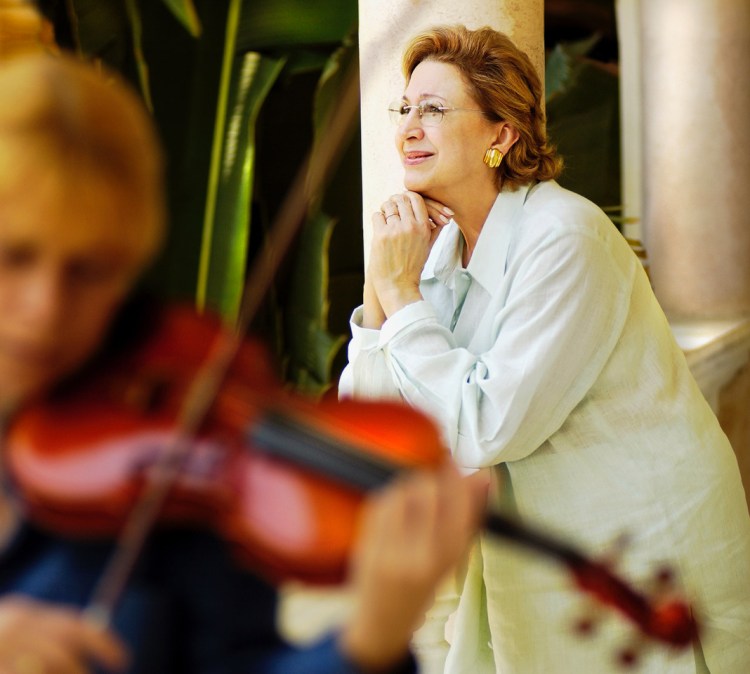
(404, 231)
(23, 29)
(37, 638)
(413, 534)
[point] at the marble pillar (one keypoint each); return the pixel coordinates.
(696, 154)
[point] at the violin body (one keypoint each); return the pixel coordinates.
(81, 459)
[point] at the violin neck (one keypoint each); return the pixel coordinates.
(281, 437)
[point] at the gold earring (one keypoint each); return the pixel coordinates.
(493, 157)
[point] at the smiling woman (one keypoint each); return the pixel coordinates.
(514, 313)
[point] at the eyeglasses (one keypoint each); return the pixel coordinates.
(430, 112)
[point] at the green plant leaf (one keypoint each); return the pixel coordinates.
(560, 71)
(310, 346)
(305, 61)
(102, 30)
(278, 24)
(185, 12)
(312, 349)
(136, 32)
(227, 224)
(556, 72)
(112, 30)
(328, 94)
(583, 122)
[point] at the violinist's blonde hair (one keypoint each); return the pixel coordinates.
(60, 116)
(505, 85)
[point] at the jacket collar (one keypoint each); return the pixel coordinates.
(492, 246)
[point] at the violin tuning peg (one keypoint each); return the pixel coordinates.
(664, 578)
(585, 626)
(587, 623)
(628, 658)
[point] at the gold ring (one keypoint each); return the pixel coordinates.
(28, 663)
(392, 215)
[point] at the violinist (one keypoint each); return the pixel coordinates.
(81, 215)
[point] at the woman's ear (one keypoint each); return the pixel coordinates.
(506, 137)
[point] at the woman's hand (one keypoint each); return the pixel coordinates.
(412, 535)
(42, 638)
(404, 231)
(439, 213)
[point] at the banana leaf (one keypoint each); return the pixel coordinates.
(101, 28)
(312, 348)
(208, 93)
(112, 30)
(227, 223)
(280, 24)
(583, 121)
(186, 14)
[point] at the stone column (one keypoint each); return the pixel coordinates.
(385, 28)
(631, 105)
(696, 154)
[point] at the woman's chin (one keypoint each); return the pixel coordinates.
(423, 187)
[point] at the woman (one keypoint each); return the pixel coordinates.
(81, 215)
(514, 312)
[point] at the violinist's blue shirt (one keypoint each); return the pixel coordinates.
(188, 608)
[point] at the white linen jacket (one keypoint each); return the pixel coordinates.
(549, 358)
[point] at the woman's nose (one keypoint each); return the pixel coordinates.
(411, 125)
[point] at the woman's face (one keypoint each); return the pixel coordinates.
(444, 161)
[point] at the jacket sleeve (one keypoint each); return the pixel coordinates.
(566, 307)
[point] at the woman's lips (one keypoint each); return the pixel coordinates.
(413, 158)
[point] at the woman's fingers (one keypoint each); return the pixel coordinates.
(413, 210)
(412, 206)
(414, 203)
(439, 213)
(409, 208)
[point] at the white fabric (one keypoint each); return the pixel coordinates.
(549, 358)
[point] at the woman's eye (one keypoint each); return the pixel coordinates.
(431, 109)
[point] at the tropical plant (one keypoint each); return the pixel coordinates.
(238, 89)
(582, 96)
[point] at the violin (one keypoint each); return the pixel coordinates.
(279, 477)
(81, 459)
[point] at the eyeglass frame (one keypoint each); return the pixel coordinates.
(420, 108)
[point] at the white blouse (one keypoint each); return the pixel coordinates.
(550, 358)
